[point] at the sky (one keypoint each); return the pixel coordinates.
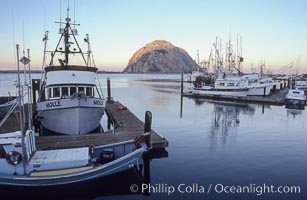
(274, 31)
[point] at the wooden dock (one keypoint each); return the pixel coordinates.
(277, 98)
(126, 127)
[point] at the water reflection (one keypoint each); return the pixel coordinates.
(226, 120)
(294, 110)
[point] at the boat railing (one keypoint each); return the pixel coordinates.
(13, 106)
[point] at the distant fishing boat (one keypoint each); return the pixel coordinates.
(302, 84)
(70, 101)
(295, 99)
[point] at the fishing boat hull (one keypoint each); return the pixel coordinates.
(90, 173)
(295, 103)
(221, 92)
(72, 116)
(259, 91)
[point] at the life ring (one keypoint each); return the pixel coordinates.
(13, 157)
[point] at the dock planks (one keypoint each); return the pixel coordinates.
(127, 127)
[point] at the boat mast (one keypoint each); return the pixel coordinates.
(21, 112)
(66, 32)
(29, 95)
(19, 91)
(66, 38)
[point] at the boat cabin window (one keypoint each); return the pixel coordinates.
(56, 92)
(81, 89)
(64, 91)
(295, 92)
(222, 84)
(89, 91)
(72, 90)
(231, 84)
(67, 91)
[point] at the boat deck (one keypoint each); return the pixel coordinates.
(277, 98)
(127, 127)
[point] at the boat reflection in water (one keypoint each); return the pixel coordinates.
(294, 110)
(225, 118)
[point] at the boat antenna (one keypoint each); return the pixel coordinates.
(23, 48)
(29, 94)
(19, 90)
(60, 13)
(74, 13)
(24, 66)
(197, 57)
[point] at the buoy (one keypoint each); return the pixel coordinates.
(13, 157)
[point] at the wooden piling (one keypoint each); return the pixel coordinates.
(148, 120)
(109, 98)
(181, 81)
(35, 89)
(264, 91)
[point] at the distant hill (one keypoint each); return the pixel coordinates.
(160, 56)
(21, 71)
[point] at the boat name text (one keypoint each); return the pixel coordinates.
(98, 102)
(53, 104)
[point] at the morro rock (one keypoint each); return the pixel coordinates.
(160, 56)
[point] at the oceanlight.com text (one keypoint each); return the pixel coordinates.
(196, 188)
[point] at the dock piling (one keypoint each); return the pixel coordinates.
(148, 119)
(181, 81)
(264, 91)
(109, 98)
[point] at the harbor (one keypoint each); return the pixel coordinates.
(153, 100)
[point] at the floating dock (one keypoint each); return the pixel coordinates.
(277, 98)
(126, 127)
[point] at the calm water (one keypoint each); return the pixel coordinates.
(211, 143)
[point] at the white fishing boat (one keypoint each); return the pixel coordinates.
(246, 85)
(302, 85)
(70, 101)
(295, 99)
(230, 86)
(22, 165)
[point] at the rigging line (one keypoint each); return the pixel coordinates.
(44, 17)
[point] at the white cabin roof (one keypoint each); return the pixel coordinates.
(229, 78)
(250, 77)
(10, 138)
(60, 77)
